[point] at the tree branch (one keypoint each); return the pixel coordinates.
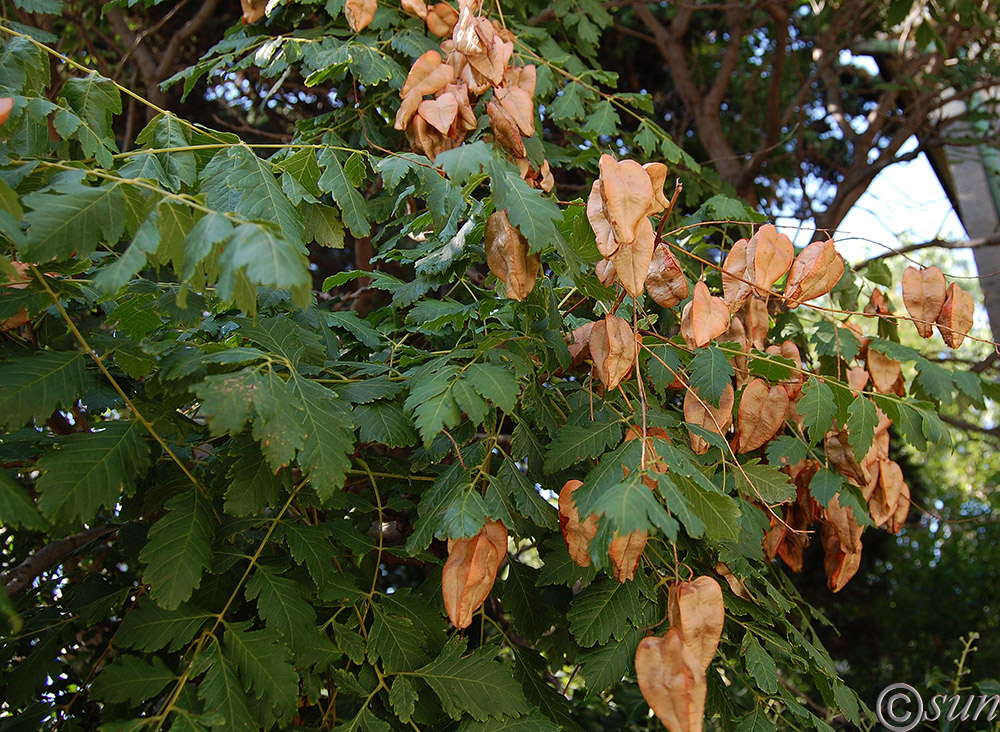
(988, 241)
(47, 557)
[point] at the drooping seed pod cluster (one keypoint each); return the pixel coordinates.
(671, 669)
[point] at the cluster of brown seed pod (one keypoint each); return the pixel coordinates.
(671, 668)
(441, 92)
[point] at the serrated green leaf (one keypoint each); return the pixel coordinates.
(786, 450)
(166, 132)
(265, 258)
(604, 120)
(605, 665)
(94, 101)
(829, 340)
(329, 435)
(465, 161)
(16, 507)
(771, 367)
(252, 485)
(825, 485)
(764, 482)
(935, 381)
(223, 692)
(710, 373)
(385, 422)
(150, 627)
(817, 408)
(512, 482)
(279, 420)
(280, 603)
(677, 504)
(403, 698)
(74, 218)
(265, 665)
(310, 545)
(132, 679)
(607, 609)
(629, 506)
(91, 470)
(396, 642)
(719, 512)
(861, 422)
(495, 383)
(334, 180)
(574, 444)
(179, 548)
(261, 196)
(756, 721)
(473, 685)
(323, 226)
(226, 399)
(519, 594)
(759, 664)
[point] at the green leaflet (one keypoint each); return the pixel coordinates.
(473, 685)
(91, 471)
(31, 388)
(710, 374)
(609, 608)
(179, 549)
(264, 664)
(132, 679)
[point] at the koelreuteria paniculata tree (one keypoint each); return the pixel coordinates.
(525, 469)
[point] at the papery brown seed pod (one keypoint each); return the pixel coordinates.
(665, 281)
(505, 130)
(737, 334)
(757, 322)
(632, 259)
(705, 317)
(735, 583)
(957, 313)
(579, 343)
(253, 10)
(606, 272)
(793, 384)
(577, 534)
(471, 570)
(924, 292)
(427, 141)
(840, 566)
(697, 610)
(857, 378)
(360, 13)
(774, 538)
(760, 415)
(625, 553)
(613, 350)
(518, 104)
(671, 681)
(769, 255)
(599, 222)
(508, 257)
(627, 193)
(441, 19)
(841, 519)
(657, 177)
(522, 77)
(886, 373)
(885, 498)
(736, 286)
(465, 33)
(714, 419)
(795, 540)
(902, 511)
(878, 304)
(814, 273)
(6, 105)
(839, 453)
(439, 113)
(416, 8)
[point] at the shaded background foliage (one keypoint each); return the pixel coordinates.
(810, 151)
